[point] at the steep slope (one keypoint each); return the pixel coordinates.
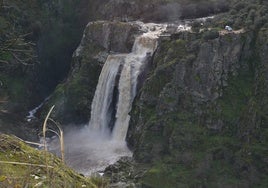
(200, 118)
(23, 166)
(73, 98)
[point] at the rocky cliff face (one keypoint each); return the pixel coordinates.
(200, 118)
(201, 113)
(50, 31)
(73, 98)
(188, 74)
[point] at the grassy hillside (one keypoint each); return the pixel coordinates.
(23, 166)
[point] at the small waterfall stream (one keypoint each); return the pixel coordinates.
(32, 112)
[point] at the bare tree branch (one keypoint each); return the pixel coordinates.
(3, 61)
(17, 50)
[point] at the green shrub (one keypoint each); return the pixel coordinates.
(211, 34)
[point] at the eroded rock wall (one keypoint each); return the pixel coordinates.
(200, 115)
(73, 98)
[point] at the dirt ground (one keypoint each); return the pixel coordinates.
(225, 32)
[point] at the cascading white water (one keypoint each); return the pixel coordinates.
(95, 147)
(144, 46)
(100, 113)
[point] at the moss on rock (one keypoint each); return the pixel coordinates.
(205, 123)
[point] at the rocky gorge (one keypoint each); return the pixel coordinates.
(199, 118)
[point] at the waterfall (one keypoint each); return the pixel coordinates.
(101, 113)
(144, 46)
(132, 63)
(102, 142)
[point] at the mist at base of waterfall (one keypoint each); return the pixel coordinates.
(89, 152)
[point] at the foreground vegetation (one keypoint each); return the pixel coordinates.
(24, 166)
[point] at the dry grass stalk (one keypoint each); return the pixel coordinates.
(25, 164)
(28, 142)
(44, 138)
(45, 126)
(60, 135)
